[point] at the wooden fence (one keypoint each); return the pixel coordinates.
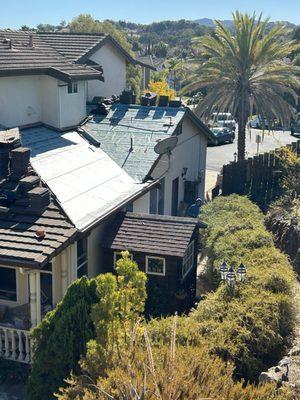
(258, 177)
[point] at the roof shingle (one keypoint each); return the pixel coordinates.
(149, 233)
(17, 57)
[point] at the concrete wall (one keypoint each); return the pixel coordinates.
(114, 72)
(189, 153)
(27, 100)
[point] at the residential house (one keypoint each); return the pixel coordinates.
(57, 211)
(129, 133)
(98, 51)
(37, 249)
(164, 247)
(48, 78)
(39, 85)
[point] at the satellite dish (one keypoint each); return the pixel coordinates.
(166, 145)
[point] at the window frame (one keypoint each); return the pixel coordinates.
(188, 255)
(86, 259)
(72, 88)
(156, 258)
(6, 301)
(118, 252)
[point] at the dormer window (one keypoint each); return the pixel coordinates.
(72, 87)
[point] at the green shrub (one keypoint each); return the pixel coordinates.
(60, 340)
(251, 326)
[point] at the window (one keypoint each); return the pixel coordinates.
(72, 87)
(8, 284)
(179, 130)
(118, 255)
(161, 197)
(82, 258)
(188, 259)
(155, 265)
(157, 199)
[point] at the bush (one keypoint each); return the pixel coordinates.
(60, 340)
(251, 326)
(169, 371)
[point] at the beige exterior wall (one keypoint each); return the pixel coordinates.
(114, 72)
(189, 153)
(26, 100)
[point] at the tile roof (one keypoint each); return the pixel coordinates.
(79, 46)
(144, 125)
(87, 183)
(72, 46)
(18, 58)
(21, 216)
(149, 233)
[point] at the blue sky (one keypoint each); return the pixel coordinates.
(15, 13)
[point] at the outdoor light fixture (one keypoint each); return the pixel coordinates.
(184, 171)
(223, 271)
(241, 272)
(231, 278)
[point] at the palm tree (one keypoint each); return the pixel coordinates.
(246, 69)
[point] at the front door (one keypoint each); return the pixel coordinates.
(175, 188)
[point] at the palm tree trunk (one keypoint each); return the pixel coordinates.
(242, 122)
(241, 139)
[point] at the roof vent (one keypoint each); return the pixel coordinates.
(30, 44)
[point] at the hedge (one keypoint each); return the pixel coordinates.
(251, 326)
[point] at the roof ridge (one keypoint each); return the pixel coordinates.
(72, 33)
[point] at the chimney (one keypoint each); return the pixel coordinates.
(30, 44)
(39, 198)
(9, 139)
(19, 162)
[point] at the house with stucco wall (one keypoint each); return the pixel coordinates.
(48, 78)
(66, 180)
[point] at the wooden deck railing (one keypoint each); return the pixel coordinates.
(15, 344)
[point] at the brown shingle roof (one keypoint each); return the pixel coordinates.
(149, 233)
(18, 58)
(72, 46)
(26, 209)
(78, 47)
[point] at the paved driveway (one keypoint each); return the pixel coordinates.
(217, 156)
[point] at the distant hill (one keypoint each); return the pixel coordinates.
(229, 23)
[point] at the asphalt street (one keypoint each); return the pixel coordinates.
(217, 156)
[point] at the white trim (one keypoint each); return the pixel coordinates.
(187, 257)
(116, 253)
(156, 258)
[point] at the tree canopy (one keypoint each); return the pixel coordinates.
(246, 70)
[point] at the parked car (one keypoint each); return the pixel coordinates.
(222, 135)
(295, 125)
(257, 123)
(295, 128)
(223, 120)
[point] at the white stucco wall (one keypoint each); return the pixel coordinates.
(189, 153)
(72, 106)
(20, 101)
(26, 100)
(49, 100)
(142, 204)
(114, 72)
